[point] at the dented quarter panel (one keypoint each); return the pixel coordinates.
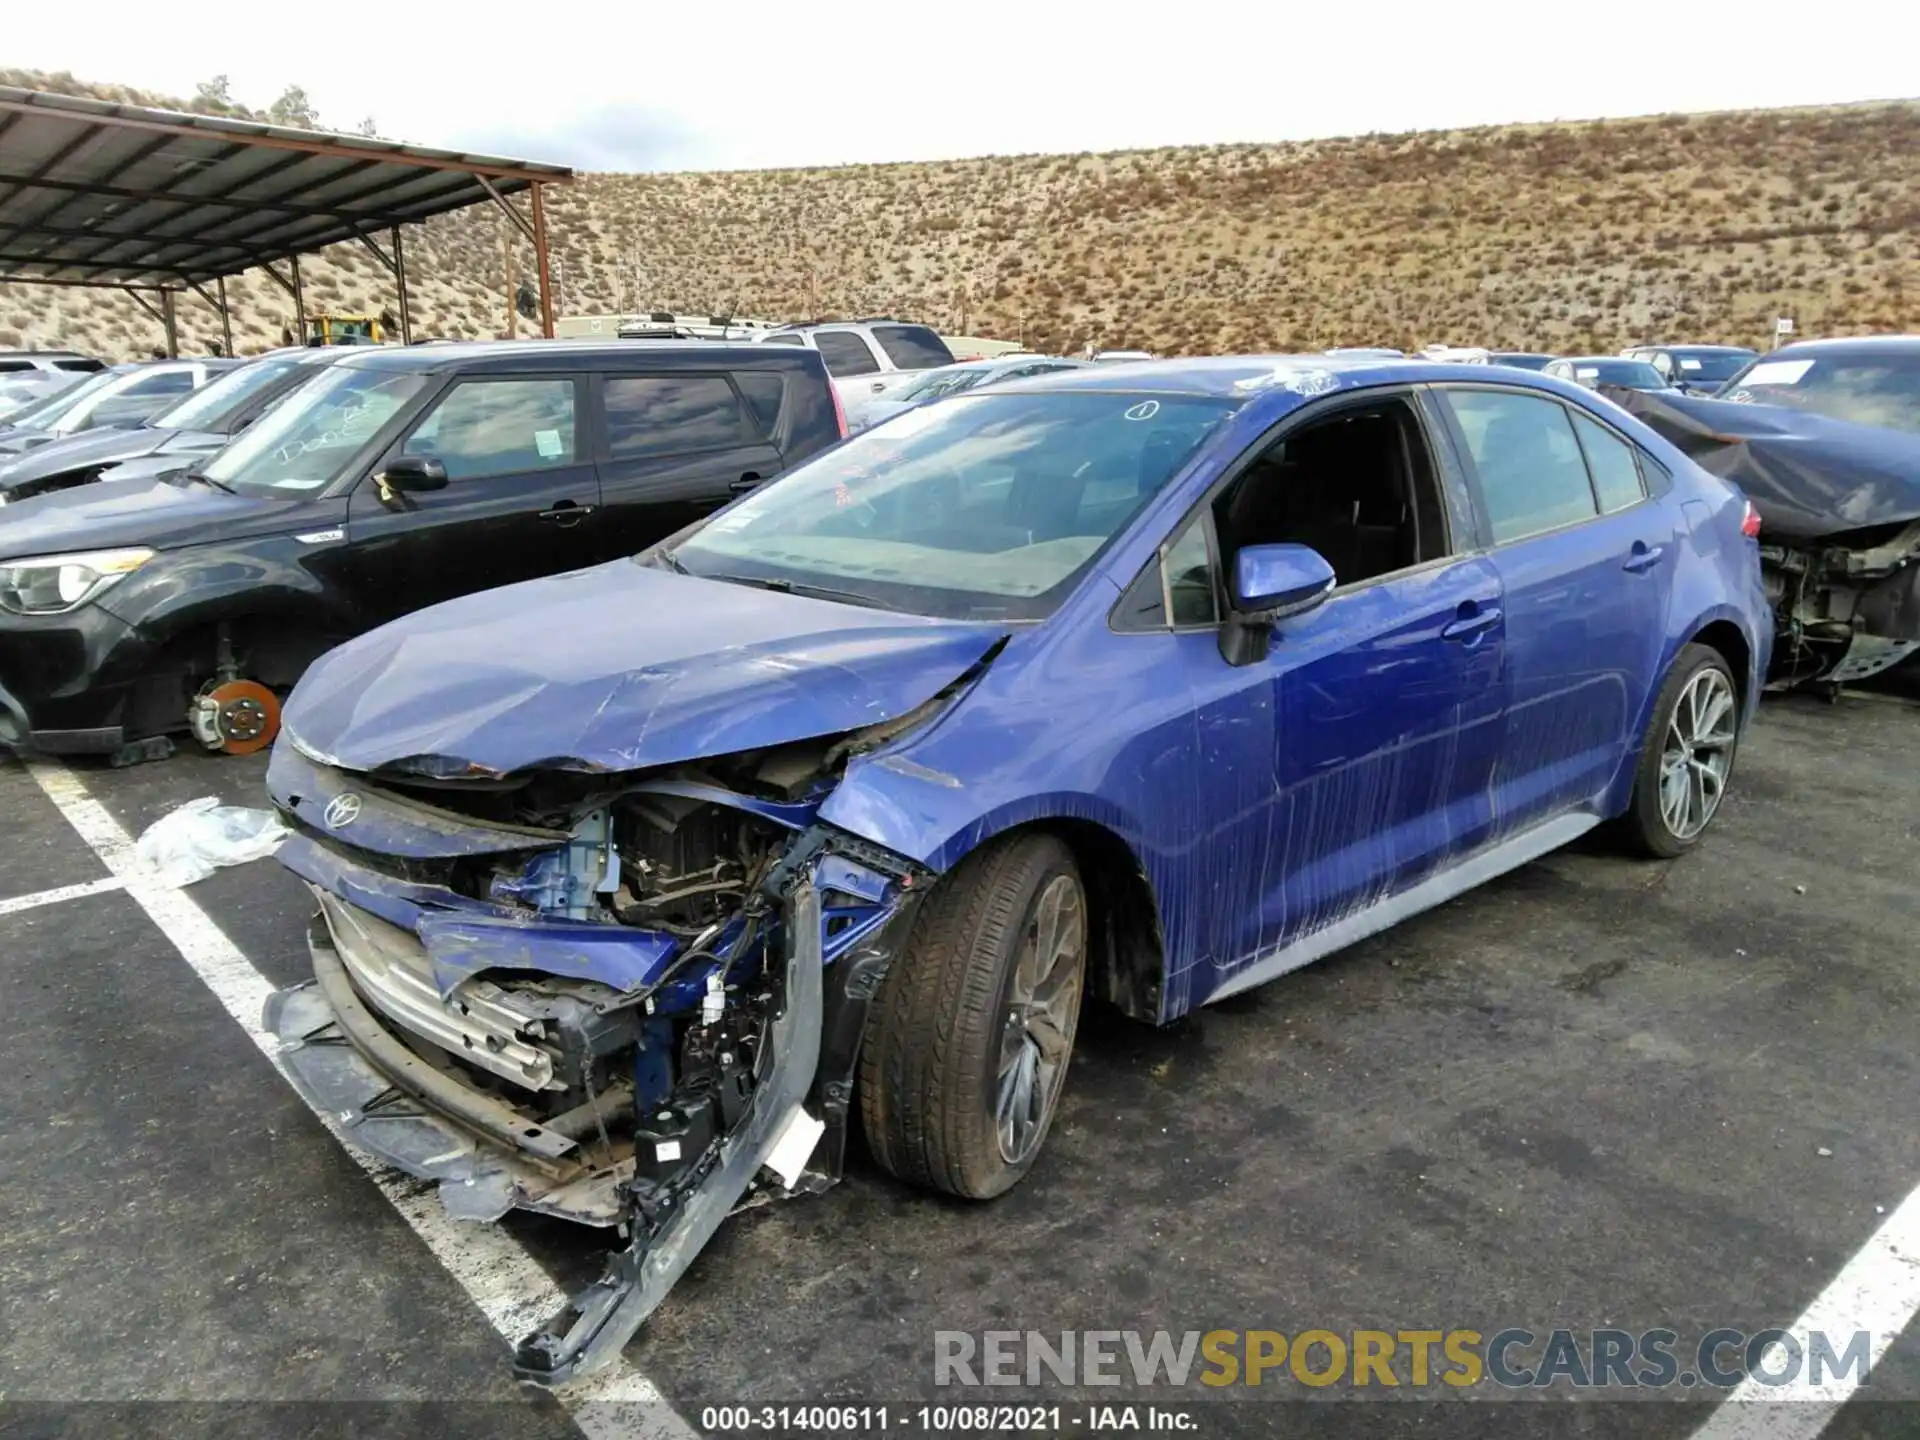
(620, 667)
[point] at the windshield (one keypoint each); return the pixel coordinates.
(214, 405)
(989, 505)
(1710, 366)
(1866, 388)
(1627, 374)
(310, 438)
(936, 383)
(49, 410)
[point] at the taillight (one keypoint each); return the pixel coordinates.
(840, 417)
(1750, 522)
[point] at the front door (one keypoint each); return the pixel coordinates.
(1586, 560)
(521, 498)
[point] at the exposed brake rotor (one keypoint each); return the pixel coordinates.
(237, 717)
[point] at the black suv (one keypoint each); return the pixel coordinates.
(395, 478)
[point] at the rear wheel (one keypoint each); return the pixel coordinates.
(968, 1042)
(1686, 756)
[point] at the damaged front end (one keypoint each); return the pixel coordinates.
(626, 999)
(1839, 505)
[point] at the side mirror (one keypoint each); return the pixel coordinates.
(410, 473)
(1271, 583)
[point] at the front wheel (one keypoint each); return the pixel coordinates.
(1686, 756)
(968, 1041)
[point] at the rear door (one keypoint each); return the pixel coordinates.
(1586, 561)
(675, 445)
(521, 498)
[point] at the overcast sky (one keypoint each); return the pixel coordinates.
(652, 85)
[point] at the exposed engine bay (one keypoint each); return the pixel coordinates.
(626, 1000)
(1839, 505)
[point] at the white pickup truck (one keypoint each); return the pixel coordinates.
(866, 357)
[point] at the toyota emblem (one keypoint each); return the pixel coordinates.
(342, 811)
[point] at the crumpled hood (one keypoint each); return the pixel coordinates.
(134, 512)
(620, 667)
(1806, 474)
(85, 451)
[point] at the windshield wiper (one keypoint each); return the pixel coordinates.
(206, 479)
(800, 587)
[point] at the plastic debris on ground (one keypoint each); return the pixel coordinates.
(202, 836)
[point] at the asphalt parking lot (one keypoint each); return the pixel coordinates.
(1596, 1092)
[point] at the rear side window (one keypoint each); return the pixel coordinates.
(1532, 476)
(1616, 477)
(85, 366)
(763, 390)
(845, 353)
(499, 427)
(672, 415)
(912, 347)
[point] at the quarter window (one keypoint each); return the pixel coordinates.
(764, 390)
(1532, 476)
(1189, 573)
(845, 353)
(672, 415)
(1616, 477)
(499, 427)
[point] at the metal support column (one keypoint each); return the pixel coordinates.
(226, 317)
(400, 276)
(299, 303)
(540, 256)
(172, 323)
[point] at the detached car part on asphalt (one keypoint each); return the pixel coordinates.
(1824, 439)
(1152, 683)
(191, 600)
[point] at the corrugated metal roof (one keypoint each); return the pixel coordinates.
(93, 192)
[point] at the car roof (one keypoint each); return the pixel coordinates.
(1867, 344)
(572, 355)
(1698, 349)
(1241, 378)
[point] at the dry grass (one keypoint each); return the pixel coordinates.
(1565, 237)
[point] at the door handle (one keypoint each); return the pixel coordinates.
(1474, 621)
(566, 514)
(746, 482)
(1643, 557)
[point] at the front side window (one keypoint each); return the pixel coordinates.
(987, 505)
(1864, 388)
(316, 435)
(1532, 476)
(498, 427)
(845, 353)
(1616, 475)
(672, 415)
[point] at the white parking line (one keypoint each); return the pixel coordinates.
(1878, 1291)
(510, 1288)
(65, 892)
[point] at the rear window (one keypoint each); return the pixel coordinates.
(84, 365)
(11, 367)
(763, 390)
(912, 347)
(673, 415)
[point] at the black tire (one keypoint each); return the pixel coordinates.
(1645, 828)
(930, 1067)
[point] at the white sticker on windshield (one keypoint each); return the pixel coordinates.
(1686, 364)
(1586, 372)
(1145, 410)
(1777, 372)
(547, 442)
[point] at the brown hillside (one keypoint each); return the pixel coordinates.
(1563, 237)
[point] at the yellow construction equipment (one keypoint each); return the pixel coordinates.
(344, 330)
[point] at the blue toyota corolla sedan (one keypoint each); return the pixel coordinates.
(637, 885)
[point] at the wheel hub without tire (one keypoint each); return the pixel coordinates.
(235, 717)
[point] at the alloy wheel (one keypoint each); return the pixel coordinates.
(1042, 1010)
(1698, 754)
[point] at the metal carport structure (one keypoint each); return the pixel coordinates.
(157, 202)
